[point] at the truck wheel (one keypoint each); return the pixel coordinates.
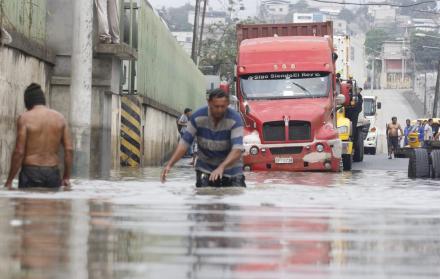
(418, 166)
(359, 148)
(347, 162)
(435, 156)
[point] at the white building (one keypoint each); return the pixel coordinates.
(274, 10)
(185, 40)
(308, 17)
(383, 15)
(340, 27)
(424, 24)
(211, 17)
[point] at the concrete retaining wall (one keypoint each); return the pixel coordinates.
(17, 72)
(160, 136)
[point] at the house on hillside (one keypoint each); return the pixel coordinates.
(274, 10)
(397, 65)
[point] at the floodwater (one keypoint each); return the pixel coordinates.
(361, 224)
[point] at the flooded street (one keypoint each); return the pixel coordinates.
(365, 224)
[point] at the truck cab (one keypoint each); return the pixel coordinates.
(286, 90)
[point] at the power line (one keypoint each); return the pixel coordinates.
(375, 4)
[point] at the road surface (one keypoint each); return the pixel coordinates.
(393, 104)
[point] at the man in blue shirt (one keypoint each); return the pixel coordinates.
(408, 129)
(219, 132)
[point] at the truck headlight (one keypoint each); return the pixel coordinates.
(319, 147)
(343, 130)
(253, 150)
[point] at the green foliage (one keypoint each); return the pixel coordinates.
(426, 58)
(300, 7)
(220, 49)
(374, 40)
(177, 18)
(347, 15)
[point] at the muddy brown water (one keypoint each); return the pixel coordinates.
(364, 224)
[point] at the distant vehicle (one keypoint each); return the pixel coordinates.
(370, 107)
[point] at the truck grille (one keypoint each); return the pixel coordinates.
(286, 150)
(274, 131)
(299, 130)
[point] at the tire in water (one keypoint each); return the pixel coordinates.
(435, 155)
(418, 166)
(359, 148)
(347, 162)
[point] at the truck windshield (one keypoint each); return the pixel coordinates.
(292, 85)
(369, 107)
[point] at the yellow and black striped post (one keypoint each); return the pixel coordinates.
(130, 131)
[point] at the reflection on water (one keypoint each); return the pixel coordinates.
(318, 225)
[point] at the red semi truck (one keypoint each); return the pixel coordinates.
(287, 93)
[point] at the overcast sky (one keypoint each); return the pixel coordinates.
(250, 5)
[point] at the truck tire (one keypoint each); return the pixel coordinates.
(418, 166)
(359, 147)
(347, 162)
(435, 170)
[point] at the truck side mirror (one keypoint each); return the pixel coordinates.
(379, 105)
(340, 100)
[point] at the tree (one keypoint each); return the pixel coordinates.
(220, 49)
(347, 15)
(177, 18)
(374, 40)
(300, 7)
(426, 58)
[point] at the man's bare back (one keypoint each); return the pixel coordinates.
(45, 130)
(40, 133)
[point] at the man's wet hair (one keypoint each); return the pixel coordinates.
(217, 94)
(394, 118)
(430, 119)
(408, 120)
(33, 96)
(187, 110)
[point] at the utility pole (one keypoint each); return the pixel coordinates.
(373, 74)
(436, 95)
(199, 52)
(403, 62)
(424, 99)
(81, 85)
(195, 32)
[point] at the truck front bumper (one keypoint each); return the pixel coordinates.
(294, 157)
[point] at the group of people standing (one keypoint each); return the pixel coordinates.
(426, 131)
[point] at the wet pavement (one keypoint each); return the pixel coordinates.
(370, 223)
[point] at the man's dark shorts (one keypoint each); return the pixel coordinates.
(41, 177)
(393, 142)
(236, 181)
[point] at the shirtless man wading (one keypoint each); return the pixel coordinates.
(40, 132)
(393, 136)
